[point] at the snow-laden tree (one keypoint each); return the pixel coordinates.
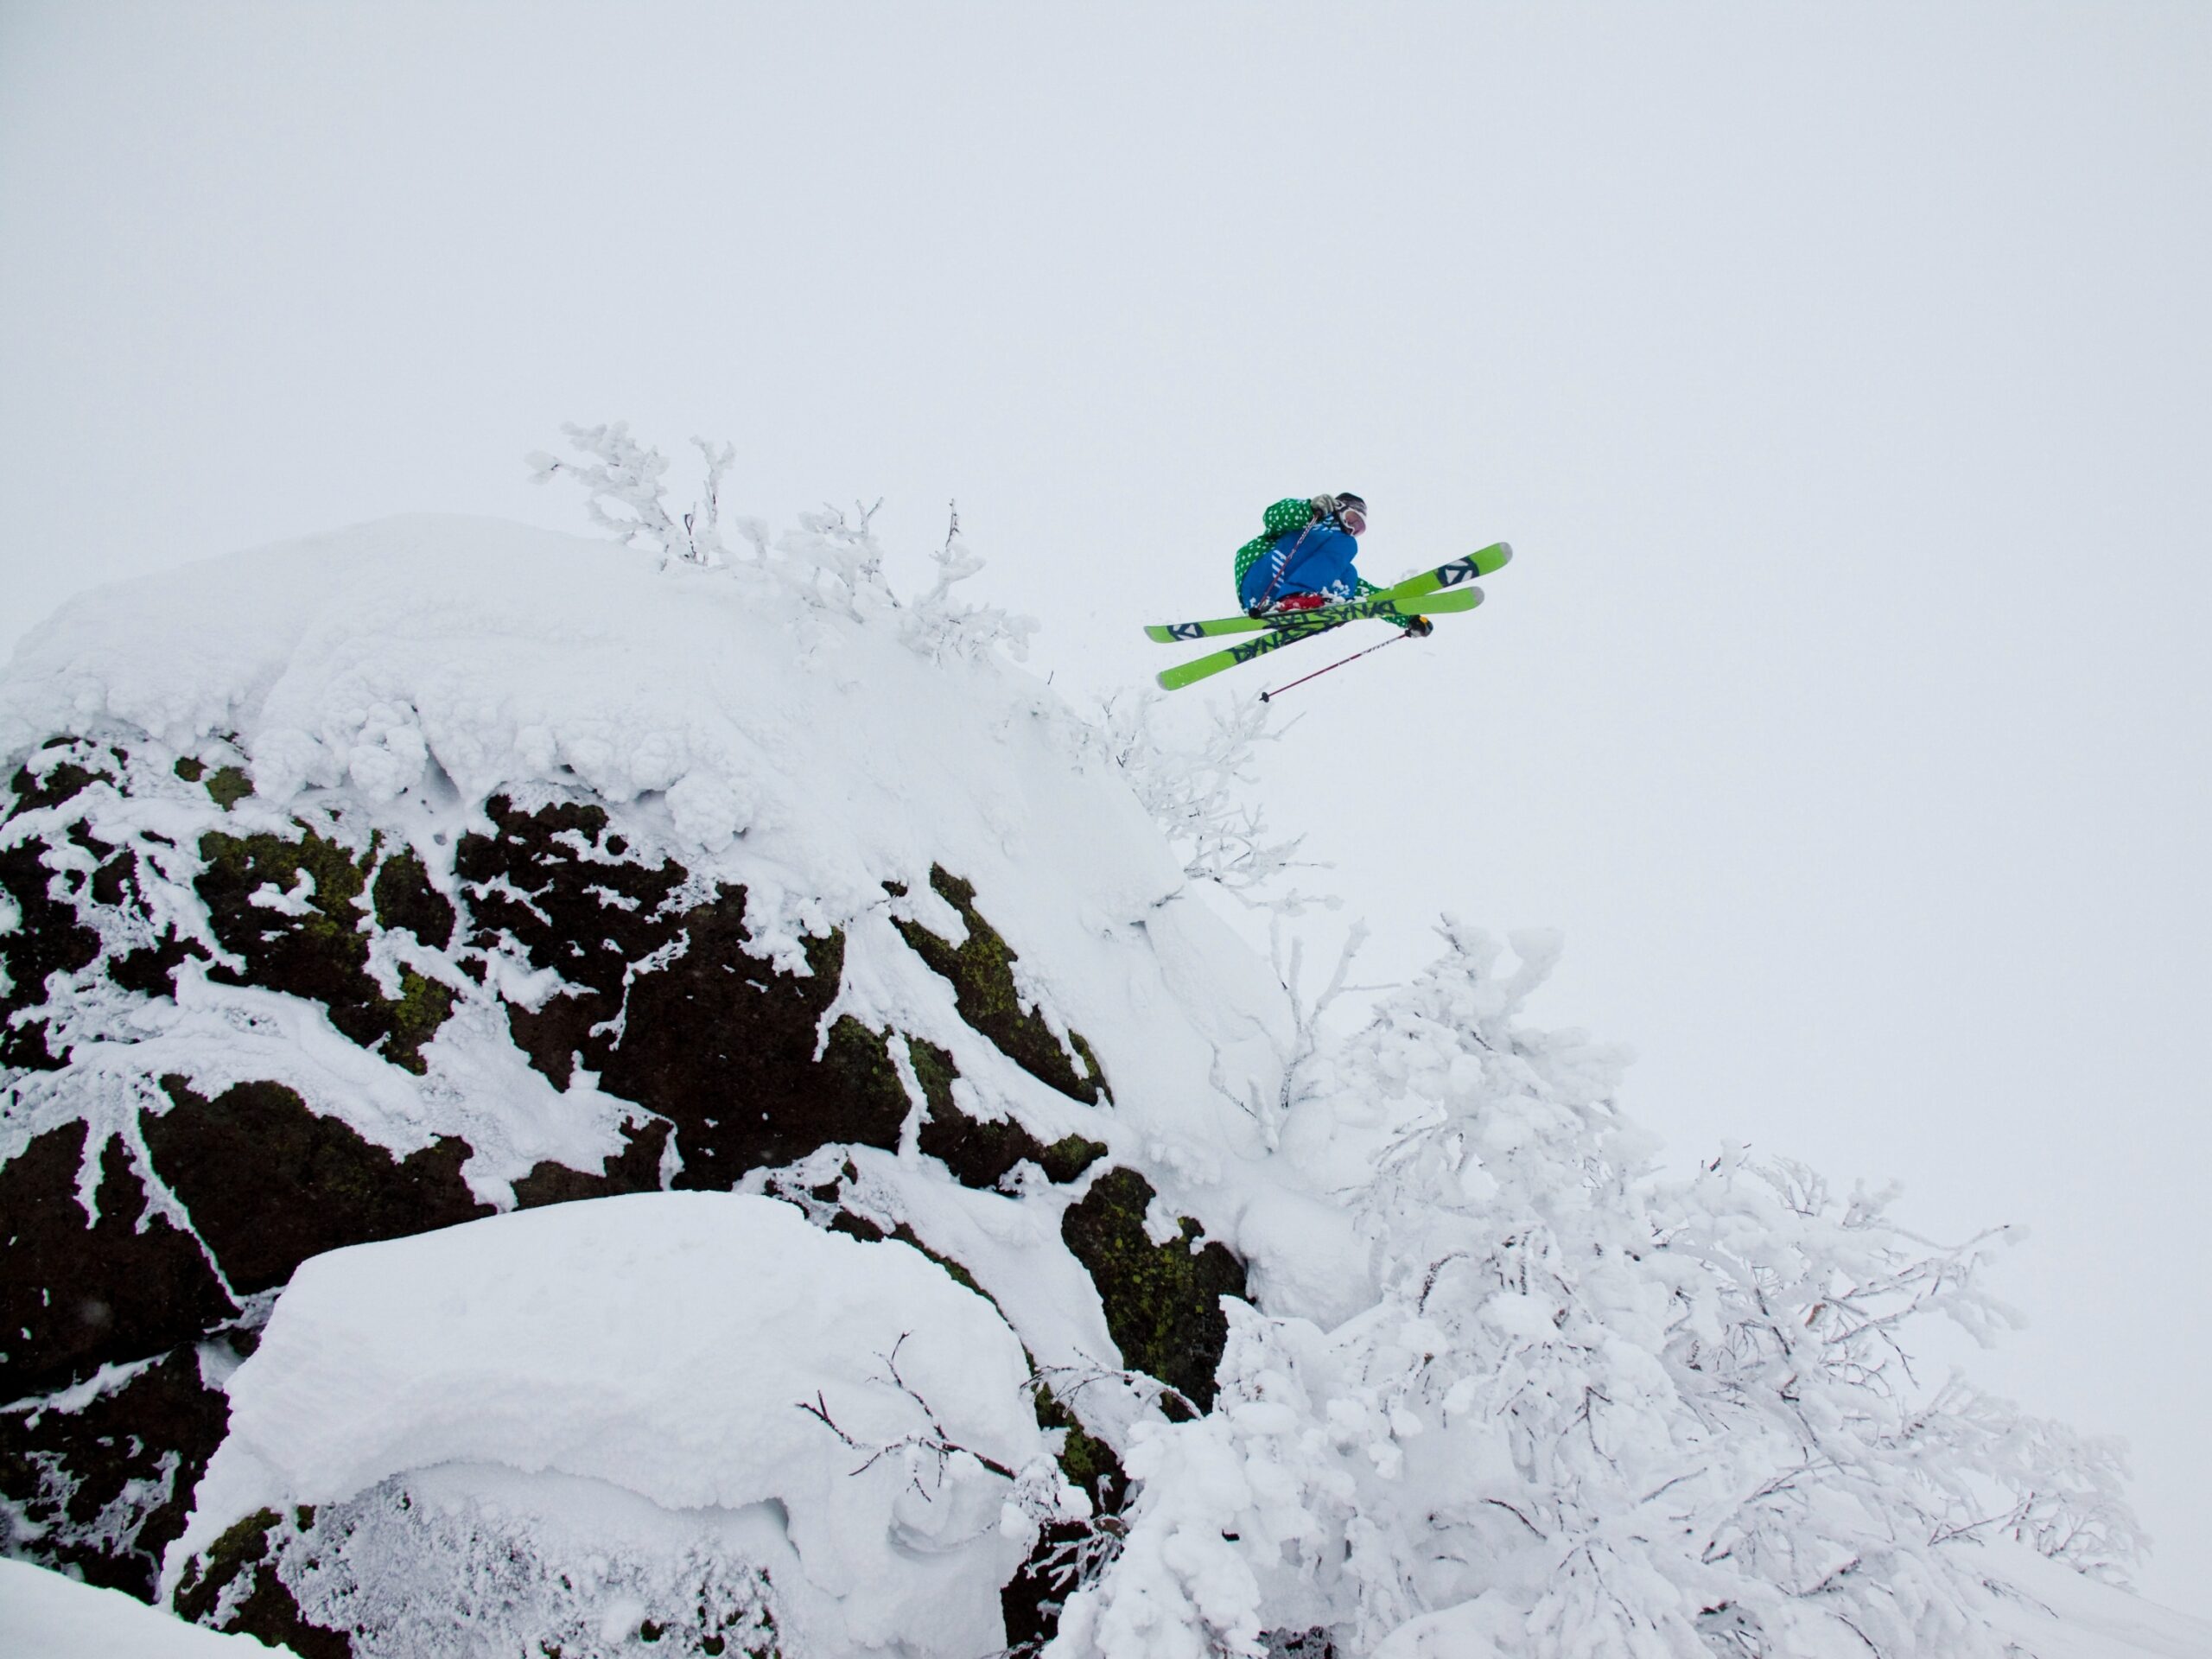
(1597, 1412)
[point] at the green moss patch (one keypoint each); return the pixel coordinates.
(1162, 1301)
(981, 971)
(981, 1153)
(1083, 1458)
(423, 1006)
(322, 952)
(228, 786)
(1067, 1158)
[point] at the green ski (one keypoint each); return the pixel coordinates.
(1294, 625)
(1490, 559)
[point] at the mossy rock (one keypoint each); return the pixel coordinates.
(1030, 1601)
(39, 786)
(981, 971)
(1067, 1158)
(226, 786)
(1084, 1459)
(267, 1609)
(47, 938)
(269, 1182)
(1162, 1301)
(715, 1039)
(636, 1168)
(402, 896)
(982, 1152)
(50, 935)
(322, 953)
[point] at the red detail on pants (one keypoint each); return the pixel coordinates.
(1301, 602)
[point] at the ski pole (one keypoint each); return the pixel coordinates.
(1269, 697)
(1281, 570)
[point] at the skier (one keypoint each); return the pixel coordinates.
(1302, 558)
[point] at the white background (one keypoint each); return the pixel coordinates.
(1843, 378)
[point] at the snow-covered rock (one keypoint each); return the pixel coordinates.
(847, 1410)
(435, 869)
(554, 1102)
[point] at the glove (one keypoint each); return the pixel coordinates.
(1323, 506)
(1420, 628)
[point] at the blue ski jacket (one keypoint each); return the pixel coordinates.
(1312, 559)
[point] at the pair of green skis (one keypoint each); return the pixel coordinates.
(1447, 588)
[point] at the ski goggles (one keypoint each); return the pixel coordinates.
(1353, 520)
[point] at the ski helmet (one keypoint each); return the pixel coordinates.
(1351, 511)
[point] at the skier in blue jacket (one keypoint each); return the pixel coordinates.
(1302, 558)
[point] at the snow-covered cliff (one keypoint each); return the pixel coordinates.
(555, 1102)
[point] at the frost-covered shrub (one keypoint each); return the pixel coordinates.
(939, 626)
(1595, 1411)
(413, 1570)
(832, 560)
(1199, 791)
(623, 492)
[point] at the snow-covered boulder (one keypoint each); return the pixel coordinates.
(363, 887)
(720, 1379)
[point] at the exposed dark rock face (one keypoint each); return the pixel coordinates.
(980, 1153)
(1162, 1301)
(659, 996)
(981, 970)
(1030, 1601)
(107, 1487)
(270, 1183)
(265, 1608)
(322, 952)
(49, 937)
(636, 1169)
(76, 1294)
(666, 1003)
(402, 896)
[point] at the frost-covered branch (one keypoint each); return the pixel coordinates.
(832, 559)
(1067, 1381)
(1598, 1408)
(939, 626)
(1289, 960)
(625, 495)
(1200, 795)
(933, 1444)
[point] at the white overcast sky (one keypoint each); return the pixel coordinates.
(1842, 374)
